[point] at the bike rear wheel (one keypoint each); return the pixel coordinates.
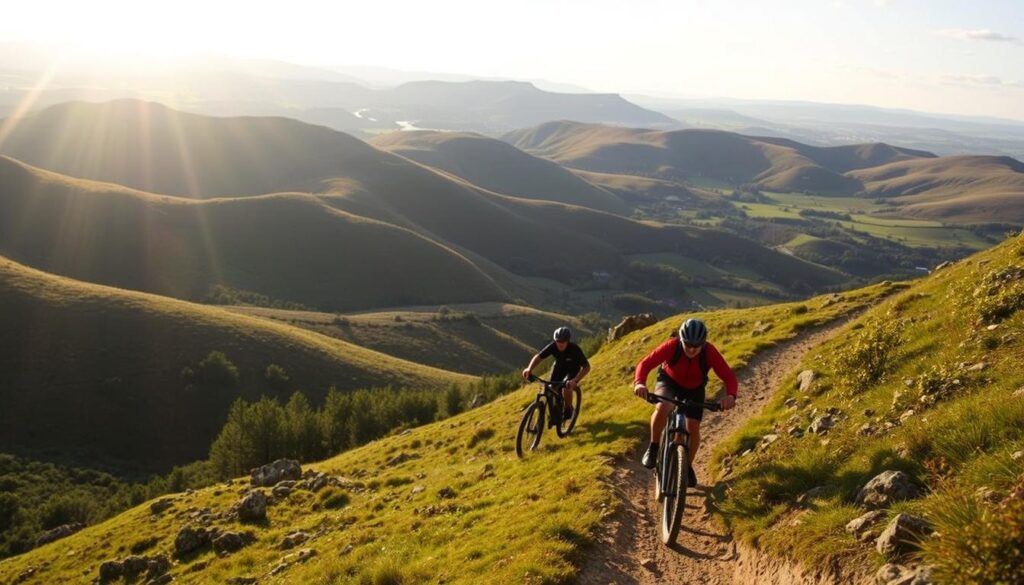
(673, 493)
(566, 426)
(530, 429)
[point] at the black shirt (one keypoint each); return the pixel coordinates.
(568, 363)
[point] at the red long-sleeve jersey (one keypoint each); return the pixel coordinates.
(686, 372)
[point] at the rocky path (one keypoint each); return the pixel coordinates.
(630, 551)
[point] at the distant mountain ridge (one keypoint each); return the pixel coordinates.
(994, 186)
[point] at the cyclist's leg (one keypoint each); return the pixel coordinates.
(664, 386)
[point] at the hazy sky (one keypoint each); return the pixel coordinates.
(932, 55)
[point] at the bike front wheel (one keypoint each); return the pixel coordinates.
(675, 472)
(530, 429)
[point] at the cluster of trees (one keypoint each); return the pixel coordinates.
(264, 430)
(222, 295)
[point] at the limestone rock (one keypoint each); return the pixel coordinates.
(806, 379)
(191, 539)
(272, 473)
(253, 507)
(59, 532)
(863, 522)
(630, 324)
(885, 488)
(902, 535)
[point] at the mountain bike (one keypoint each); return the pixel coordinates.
(673, 468)
(548, 405)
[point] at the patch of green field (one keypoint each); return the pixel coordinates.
(922, 237)
(800, 239)
(709, 183)
(882, 221)
(823, 203)
(685, 264)
(767, 210)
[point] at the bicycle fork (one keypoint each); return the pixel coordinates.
(677, 437)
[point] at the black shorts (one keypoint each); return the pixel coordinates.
(666, 386)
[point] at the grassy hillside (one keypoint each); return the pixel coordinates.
(103, 371)
(287, 246)
(445, 502)
(151, 147)
(477, 338)
(929, 383)
(498, 166)
(953, 188)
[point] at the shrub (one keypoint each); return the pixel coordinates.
(333, 498)
(864, 362)
(480, 436)
(798, 310)
(276, 377)
(978, 544)
(217, 370)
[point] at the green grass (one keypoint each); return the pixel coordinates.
(507, 521)
(952, 446)
(690, 266)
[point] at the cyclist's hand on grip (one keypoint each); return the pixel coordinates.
(526, 374)
(640, 390)
(728, 402)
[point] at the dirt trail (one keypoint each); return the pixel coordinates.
(630, 552)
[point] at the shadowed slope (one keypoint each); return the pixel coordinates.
(100, 370)
(151, 147)
(498, 166)
(286, 246)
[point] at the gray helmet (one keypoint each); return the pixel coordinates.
(693, 332)
(562, 334)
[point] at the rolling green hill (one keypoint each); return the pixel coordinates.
(102, 371)
(967, 189)
(957, 189)
(500, 167)
(772, 163)
(444, 502)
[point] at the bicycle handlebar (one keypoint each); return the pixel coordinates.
(533, 378)
(712, 406)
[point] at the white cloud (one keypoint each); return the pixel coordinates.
(983, 34)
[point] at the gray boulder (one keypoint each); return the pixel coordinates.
(272, 473)
(885, 488)
(252, 507)
(863, 522)
(821, 425)
(230, 542)
(160, 505)
(630, 324)
(190, 539)
(902, 535)
(59, 532)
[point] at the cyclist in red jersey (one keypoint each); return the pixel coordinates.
(683, 365)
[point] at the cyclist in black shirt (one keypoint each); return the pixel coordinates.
(570, 364)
